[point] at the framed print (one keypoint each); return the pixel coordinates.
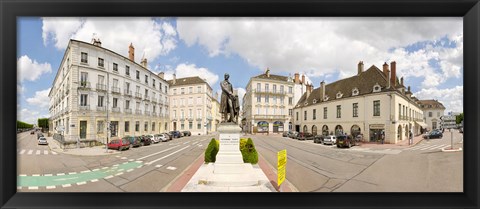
(228, 104)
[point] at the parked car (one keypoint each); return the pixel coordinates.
(145, 140)
(318, 139)
(305, 136)
(345, 141)
(293, 135)
(460, 130)
(42, 140)
(32, 132)
(175, 134)
(134, 141)
(433, 135)
(139, 138)
(359, 138)
(187, 133)
(119, 144)
(330, 139)
(285, 133)
(39, 135)
(153, 138)
(161, 137)
(168, 135)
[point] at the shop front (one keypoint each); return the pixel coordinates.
(376, 132)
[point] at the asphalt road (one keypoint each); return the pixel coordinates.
(323, 168)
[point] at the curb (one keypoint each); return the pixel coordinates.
(451, 150)
(57, 148)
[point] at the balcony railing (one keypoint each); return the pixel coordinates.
(138, 112)
(147, 112)
(84, 85)
(116, 109)
(128, 111)
(115, 90)
(199, 118)
(154, 100)
(269, 116)
(101, 87)
(101, 108)
(138, 95)
(84, 107)
(127, 93)
(267, 91)
(146, 98)
(154, 114)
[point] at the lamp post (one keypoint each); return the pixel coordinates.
(108, 105)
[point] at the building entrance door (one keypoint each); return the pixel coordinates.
(83, 129)
(174, 126)
(114, 128)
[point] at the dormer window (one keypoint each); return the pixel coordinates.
(377, 88)
(339, 95)
(314, 101)
(306, 103)
(355, 92)
(325, 98)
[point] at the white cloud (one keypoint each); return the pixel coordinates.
(20, 89)
(241, 93)
(30, 116)
(190, 70)
(31, 70)
(40, 99)
(148, 36)
(451, 98)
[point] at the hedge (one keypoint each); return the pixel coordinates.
(247, 148)
(211, 151)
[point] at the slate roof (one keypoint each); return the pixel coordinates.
(435, 104)
(364, 82)
(186, 81)
(272, 77)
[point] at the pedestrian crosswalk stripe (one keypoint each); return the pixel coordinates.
(45, 152)
(30, 152)
(51, 187)
(32, 187)
(38, 152)
(81, 183)
(171, 168)
(23, 151)
(428, 147)
(66, 185)
(53, 152)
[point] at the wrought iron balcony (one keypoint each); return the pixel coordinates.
(84, 85)
(101, 87)
(116, 109)
(115, 90)
(147, 112)
(268, 91)
(127, 93)
(87, 107)
(154, 100)
(272, 117)
(138, 95)
(101, 108)
(146, 98)
(128, 110)
(138, 112)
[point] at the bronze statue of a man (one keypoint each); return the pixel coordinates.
(228, 101)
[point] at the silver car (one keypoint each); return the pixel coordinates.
(42, 140)
(330, 139)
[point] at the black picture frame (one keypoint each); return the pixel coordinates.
(10, 10)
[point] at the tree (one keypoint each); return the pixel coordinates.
(23, 125)
(43, 123)
(459, 118)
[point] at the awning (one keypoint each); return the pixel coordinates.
(422, 124)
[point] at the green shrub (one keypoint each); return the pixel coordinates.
(211, 151)
(249, 153)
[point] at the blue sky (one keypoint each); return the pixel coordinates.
(428, 51)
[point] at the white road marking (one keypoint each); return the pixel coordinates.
(29, 152)
(72, 173)
(81, 183)
(54, 153)
(171, 168)
(108, 177)
(86, 171)
(22, 175)
(36, 175)
(120, 170)
(156, 153)
(118, 174)
(104, 167)
(445, 146)
(32, 187)
(129, 170)
(19, 187)
(96, 169)
(158, 166)
(66, 185)
(38, 152)
(23, 151)
(94, 180)
(149, 163)
(48, 174)
(123, 158)
(45, 152)
(117, 156)
(51, 187)
(116, 165)
(60, 174)
(130, 160)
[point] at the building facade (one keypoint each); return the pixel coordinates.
(217, 117)
(191, 105)
(98, 93)
(268, 102)
(432, 111)
(373, 103)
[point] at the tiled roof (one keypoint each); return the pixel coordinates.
(435, 104)
(272, 77)
(186, 81)
(364, 82)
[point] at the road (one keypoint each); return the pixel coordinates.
(323, 168)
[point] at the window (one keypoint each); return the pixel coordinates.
(199, 101)
(305, 115)
(190, 113)
(274, 100)
(296, 116)
(153, 126)
(84, 58)
(438, 114)
(290, 90)
(127, 85)
(281, 89)
(199, 125)
(259, 86)
(376, 108)
(190, 90)
(100, 62)
(355, 109)
(146, 126)
(137, 126)
(174, 91)
(325, 113)
(146, 93)
(115, 102)
(266, 98)
(166, 89)
(127, 126)
(138, 75)
(127, 104)
(190, 101)
(153, 82)
(399, 111)
(115, 67)
(429, 114)
(266, 87)
(282, 100)
(83, 99)
(138, 106)
(127, 70)
(83, 77)
(339, 111)
(274, 88)
(182, 90)
(190, 125)
(146, 79)
(115, 83)
(199, 113)
(290, 112)
(290, 100)
(100, 127)
(199, 89)
(259, 98)
(314, 114)
(434, 125)
(100, 101)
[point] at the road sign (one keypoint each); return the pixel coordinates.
(281, 164)
(448, 121)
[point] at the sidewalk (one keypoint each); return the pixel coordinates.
(400, 145)
(55, 146)
(185, 178)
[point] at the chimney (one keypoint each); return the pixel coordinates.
(303, 79)
(161, 75)
(393, 77)
(174, 79)
(360, 67)
(131, 53)
(267, 73)
(308, 90)
(385, 69)
(144, 62)
(388, 78)
(322, 87)
(401, 81)
(297, 80)
(409, 89)
(97, 42)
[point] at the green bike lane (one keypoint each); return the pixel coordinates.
(65, 180)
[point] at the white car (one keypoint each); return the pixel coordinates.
(161, 137)
(42, 140)
(330, 139)
(153, 138)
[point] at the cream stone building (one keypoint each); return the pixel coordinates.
(269, 101)
(191, 105)
(216, 116)
(95, 86)
(372, 103)
(432, 111)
